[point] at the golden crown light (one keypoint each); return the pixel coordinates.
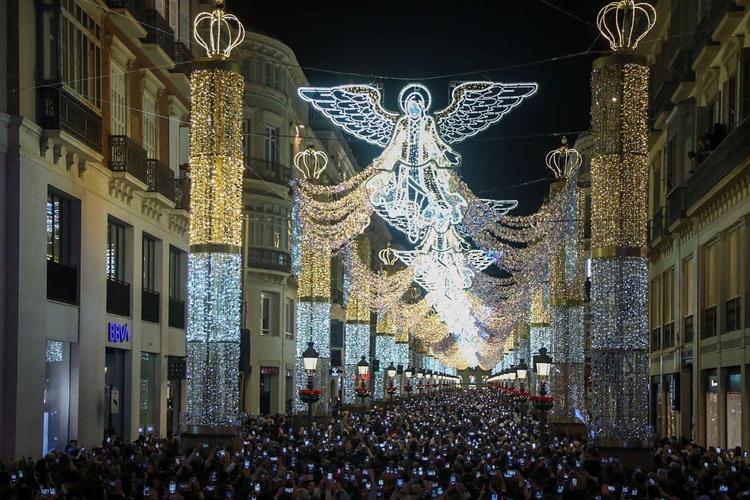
(387, 256)
(310, 163)
(624, 23)
(225, 31)
(563, 161)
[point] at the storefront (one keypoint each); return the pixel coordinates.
(711, 413)
(734, 407)
(149, 401)
(115, 392)
(56, 419)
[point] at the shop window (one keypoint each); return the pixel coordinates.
(56, 396)
(734, 408)
(712, 409)
(709, 286)
(177, 287)
(62, 273)
(148, 407)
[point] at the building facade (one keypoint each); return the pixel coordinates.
(93, 141)
(699, 207)
(278, 125)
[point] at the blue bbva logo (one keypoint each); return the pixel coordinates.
(118, 333)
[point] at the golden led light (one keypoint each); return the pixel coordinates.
(225, 32)
(310, 163)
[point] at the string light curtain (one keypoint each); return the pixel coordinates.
(214, 264)
(357, 328)
(619, 176)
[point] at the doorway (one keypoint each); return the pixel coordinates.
(114, 393)
(265, 394)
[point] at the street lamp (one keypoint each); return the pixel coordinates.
(542, 365)
(391, 373)
(363, 368)
(309, 395)
(420, 376)
(522, 369)
(407, 386)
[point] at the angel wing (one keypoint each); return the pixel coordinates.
(355, 108)
(477, 105)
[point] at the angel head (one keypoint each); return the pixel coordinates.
(414, 100)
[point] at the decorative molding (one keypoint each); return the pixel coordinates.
(152, 208)
(43, 145)
(71, 158)
(121, 189)
(179, 221)
(56, 153)
(81, 167)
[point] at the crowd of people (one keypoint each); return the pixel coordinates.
(460, 444)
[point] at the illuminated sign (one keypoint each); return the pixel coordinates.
(118, 332)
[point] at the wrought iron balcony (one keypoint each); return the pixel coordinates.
(159, 32)
(176, 313)
(657, 225)
(182, 58)
(274, 260)
(269, 171)
(60, 110)
(160, 179)
(729, 154)
(127, 156)
(62, 282)
(182, 193)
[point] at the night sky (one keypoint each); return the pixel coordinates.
(420, 39)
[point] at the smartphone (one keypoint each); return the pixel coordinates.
(574, 482)
(247, 464)
(257, 488)
(368, 485)
(146, 491)
(380, 483)
(494, 496)
(723, 488)
(289, 491)
(330, 476)
(399, 483)
(560, 489)
(172, 487)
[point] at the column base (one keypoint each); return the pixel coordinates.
(206, 437)
(631, 453)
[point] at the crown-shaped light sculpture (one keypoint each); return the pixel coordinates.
(387, 256)
(624, 23)
(225, 31)
(563, 161)
(310, 163)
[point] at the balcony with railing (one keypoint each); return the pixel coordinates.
(160, 179)
(688, 328)
(732, 311)
(656, 339)
(176, 313)
(60, 110)
(269, 171)
(675, 205)
(182, 57)
(118, 297)
(127, 156)
(150, 306)
(658, 229)
(129, 16)
(728, 155)
(159, 37)
(62, 282)
(182, 193)
(274, 260)
(710, 323)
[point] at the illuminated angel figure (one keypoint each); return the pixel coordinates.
(412, 190)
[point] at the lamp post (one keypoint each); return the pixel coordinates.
(407, 386)
(391, 373)
(542, 365)
(522, 370)
(420, 376)
(308, 395)
(363, 368)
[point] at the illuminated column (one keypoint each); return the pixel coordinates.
(566, 288)
(402, 356)
(214, 264)
(619, 178)
(314, 320)
(384, 351)
(357, 333)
